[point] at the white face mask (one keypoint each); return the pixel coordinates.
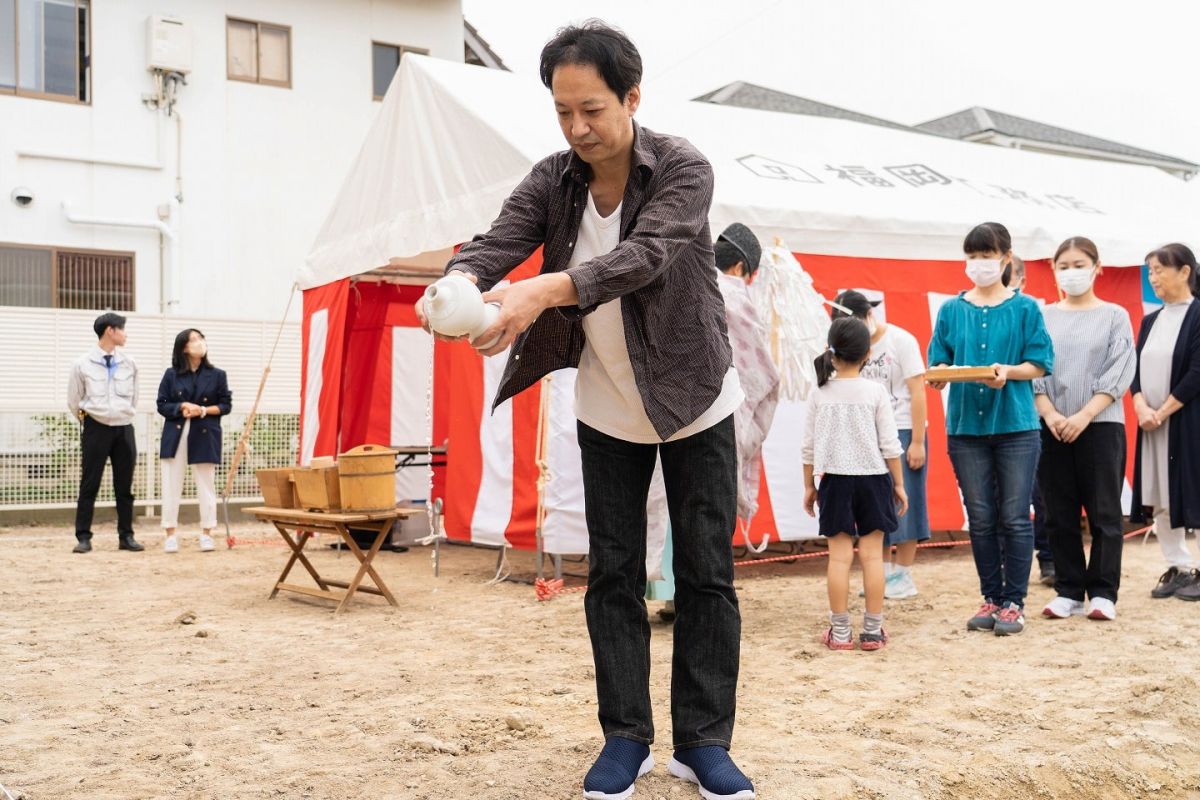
(872, 326)
(1075, 282)
(984, 272)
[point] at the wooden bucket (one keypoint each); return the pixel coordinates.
(317, 489)
(367, 478)
(278, 489)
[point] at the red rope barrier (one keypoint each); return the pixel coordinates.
(548, 590)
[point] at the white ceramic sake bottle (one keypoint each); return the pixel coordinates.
(454, 307)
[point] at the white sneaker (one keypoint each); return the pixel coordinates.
(1103, 608)
(1063, 607)
(206, 543)
(900, 586)
(171, 544)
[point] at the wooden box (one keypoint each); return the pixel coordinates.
(959, 374)
(317, 489)
(277, 487)
(367, 478)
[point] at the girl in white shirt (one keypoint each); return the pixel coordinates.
(850, 440)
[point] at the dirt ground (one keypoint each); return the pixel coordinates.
(476, 691)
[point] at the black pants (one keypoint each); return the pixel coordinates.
(700, 473)
(1087, 473)
(102, 443)
(1041, 540)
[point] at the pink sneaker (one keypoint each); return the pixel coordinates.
(873, 641)
(833, 644)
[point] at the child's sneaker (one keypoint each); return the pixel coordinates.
(985, 618)
(829, 641)
(1063, 607)
(899, 585)
(171, 544)
(206, 543)
(1010, 620)
(873, 641)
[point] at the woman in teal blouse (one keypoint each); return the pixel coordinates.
(993, 425)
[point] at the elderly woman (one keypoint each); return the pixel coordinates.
(1167, 470)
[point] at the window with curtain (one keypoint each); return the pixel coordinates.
(258, 52)
(45, 49)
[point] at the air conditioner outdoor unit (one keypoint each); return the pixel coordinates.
(168, 44)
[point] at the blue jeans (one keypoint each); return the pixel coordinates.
(914, 526)
(996, 474)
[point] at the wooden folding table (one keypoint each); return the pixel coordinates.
(306, 524)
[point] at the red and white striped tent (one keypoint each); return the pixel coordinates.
(876, 209)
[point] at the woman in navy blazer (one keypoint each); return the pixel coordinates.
(192, 397)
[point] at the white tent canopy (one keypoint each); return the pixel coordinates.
(452, 140)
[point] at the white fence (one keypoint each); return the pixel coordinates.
(39, 442)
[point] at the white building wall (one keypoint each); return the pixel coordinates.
(260, 164)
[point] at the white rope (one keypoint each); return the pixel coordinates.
(794, 314)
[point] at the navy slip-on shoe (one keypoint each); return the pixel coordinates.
(620, 763)
(713, 771)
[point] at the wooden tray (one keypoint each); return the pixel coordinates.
(959, 374)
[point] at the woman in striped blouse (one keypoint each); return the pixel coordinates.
(1083, 434)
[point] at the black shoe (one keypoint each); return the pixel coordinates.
(1190, 590)
(128, 543)
(83, 546)
(1171, 582)
(1048, 574)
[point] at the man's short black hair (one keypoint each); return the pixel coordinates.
(727, 255)
(107, 320)
(598, 44)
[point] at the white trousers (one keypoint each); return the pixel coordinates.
(1173, 542)
(174, 470)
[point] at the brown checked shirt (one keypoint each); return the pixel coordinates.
(663, 269)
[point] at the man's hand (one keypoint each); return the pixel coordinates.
(810, 500)
(1001, 377)
(521, 303)
(916, 455)
(419, 307)
(1071, 427)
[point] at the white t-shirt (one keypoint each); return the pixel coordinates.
(606, 393)
(849, 429)
(894, 359)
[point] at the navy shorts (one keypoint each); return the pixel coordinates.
(856, 504)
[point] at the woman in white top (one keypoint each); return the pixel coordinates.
(1083, 434)
(850, 441)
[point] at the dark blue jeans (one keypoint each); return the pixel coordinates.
(700, 473)
(996, 474)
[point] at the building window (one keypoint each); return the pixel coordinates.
(48, 277)
(257, 52)
(45, 49)
(385, 60)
